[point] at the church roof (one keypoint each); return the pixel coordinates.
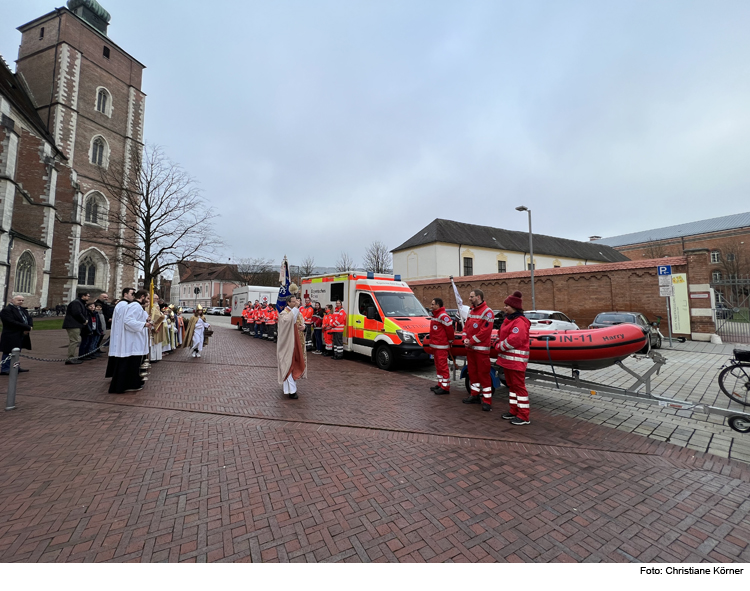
(452, 232)
(13, 88)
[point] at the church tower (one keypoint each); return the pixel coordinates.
(87, 90)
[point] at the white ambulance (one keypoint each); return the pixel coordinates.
(384, 319)
(250, 293)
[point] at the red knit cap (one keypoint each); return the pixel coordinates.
(515, 301)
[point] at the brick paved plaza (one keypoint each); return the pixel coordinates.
(210, 462)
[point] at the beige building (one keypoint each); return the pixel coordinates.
(446, 248)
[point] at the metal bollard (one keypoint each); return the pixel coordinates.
(15, 362)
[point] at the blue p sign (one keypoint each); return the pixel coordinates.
(664, 269)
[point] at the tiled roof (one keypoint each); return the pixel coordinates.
(597, 268)
(509, 240)
(727, 222)
(204, 271)
(12, 88)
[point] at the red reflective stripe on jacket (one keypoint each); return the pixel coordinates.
(441, 328)
(338, 321)
(479, 326)
(513, 343)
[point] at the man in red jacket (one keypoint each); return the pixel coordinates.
(441, 337)
(513, 356)
(477, 337)
(307, 313)
(338, 322)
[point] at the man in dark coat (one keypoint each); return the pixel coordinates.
(75, 319)
(17, 325)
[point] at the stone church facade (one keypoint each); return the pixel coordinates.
(73, 107)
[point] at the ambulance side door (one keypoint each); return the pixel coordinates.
(365, 330)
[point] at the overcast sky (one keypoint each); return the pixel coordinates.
(315, 127)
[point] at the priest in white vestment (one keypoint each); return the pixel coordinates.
(128, 342)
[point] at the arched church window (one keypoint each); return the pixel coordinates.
(25, 273)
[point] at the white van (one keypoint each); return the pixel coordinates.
(250, 293)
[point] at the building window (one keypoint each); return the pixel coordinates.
(730, 257)
(715, 256)
(41, 33)
(97, 152)
(105, 53)
(25, 273)
(87, 272)
(102, 98)
(528, 267)
(468, 266)
(501, 267)
(95, 209)
(716, 276)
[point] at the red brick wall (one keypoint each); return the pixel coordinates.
(580, 292)
(731, 241)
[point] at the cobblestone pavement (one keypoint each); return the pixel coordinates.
(690, 375)
(210, 462)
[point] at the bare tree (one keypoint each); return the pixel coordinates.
(655, 250)
(257, 271)
(734, 257)
(307, 267)
(157, 216)
(344, 263)
(378, 258)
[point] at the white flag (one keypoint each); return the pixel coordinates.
(282, 273)
(463, 311)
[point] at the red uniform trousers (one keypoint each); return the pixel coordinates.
(479, 374)
(519, 396)
(441, 367)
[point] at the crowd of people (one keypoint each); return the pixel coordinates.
(323, 326)
(142, 330)
(512, 350)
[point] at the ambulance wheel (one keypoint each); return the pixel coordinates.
(384, 358)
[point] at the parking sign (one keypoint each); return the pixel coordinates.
(664, 269)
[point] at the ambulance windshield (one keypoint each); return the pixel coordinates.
(400, 304)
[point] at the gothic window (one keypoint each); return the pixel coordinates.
(101, 102)
(25, 273)
(97, 152)
(95, 209)
(87, 271)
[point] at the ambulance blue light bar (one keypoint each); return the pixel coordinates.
(397, 278)
(370, 275)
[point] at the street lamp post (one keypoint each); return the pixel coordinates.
(531, 255)
(196, 291)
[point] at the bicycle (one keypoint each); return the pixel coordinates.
(734, 379)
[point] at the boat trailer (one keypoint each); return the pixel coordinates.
(639, 389)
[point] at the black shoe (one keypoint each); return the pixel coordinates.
(471, 400)
(73, 362)
(440, 392)
(435, 388)
(517, 421)
(4, 373)
(293, 396)
(508, 417)
(22, 370)
(486, 407)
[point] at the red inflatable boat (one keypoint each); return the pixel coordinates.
(576, 349)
